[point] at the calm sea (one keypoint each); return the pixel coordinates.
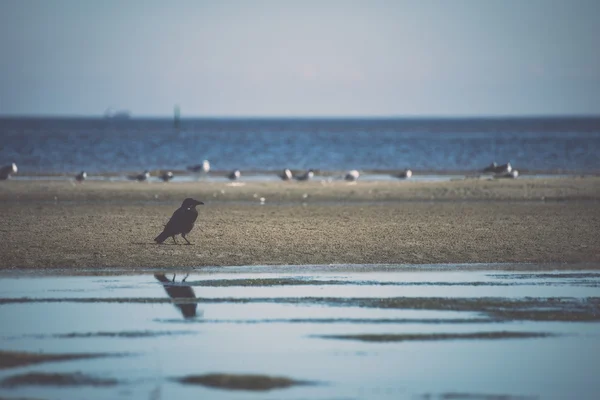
(99, 145)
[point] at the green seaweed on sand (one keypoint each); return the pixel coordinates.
(13, 359)
(57, 379)
(241, 382)
(436, 336)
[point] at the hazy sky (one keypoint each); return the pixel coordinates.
(300, 58)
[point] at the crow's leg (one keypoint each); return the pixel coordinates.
(186, 276)
(183, 236)
(173, 280)
(174, 241)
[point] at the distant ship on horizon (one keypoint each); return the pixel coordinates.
(111, 113)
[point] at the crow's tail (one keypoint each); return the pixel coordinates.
(162, 237)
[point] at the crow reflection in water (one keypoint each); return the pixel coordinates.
(178, 291)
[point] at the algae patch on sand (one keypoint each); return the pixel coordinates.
(13, 359)
(436, 336)
(56, 379)
(122, 334)
(474, 396)
(241, 382)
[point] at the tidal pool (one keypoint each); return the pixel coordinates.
(324, 334)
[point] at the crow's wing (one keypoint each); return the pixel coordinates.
(177, 222)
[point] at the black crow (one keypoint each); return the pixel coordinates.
(181, 222)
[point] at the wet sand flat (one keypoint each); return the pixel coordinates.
(317, 190)
(112, 225)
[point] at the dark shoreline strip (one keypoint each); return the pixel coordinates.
(437, 336)
(13, 359)
(241, 382)
(341, 321)
(534, 309)
(269, 282)
(476, 396)
(57, 379)
(85, 335)
(433, 303)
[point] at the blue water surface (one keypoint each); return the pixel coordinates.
(65, 145)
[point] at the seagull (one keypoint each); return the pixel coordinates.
(181, 222)
(306, 176)
(234, 175)
(7, 171)
(80, 177)
(491, 167)
(166, 176)
(512, 174)
(141, 177)
(406, 174)
(203, 168)
(286, 175)
(498, 169)
(352, 175)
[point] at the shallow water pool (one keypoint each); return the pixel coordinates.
(339, 334)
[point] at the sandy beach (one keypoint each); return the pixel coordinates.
(62, 225)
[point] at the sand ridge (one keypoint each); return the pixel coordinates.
(318, 190)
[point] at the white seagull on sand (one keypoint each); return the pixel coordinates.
(234, 175)
(406, 174)
(202, 168)
(498, 169)
(286, 175)
(141, 177)
(352, 175)
(80, 177)
(7, 171)
(308, 175)
(166, 176)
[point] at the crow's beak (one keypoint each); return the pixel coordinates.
(199, 203)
